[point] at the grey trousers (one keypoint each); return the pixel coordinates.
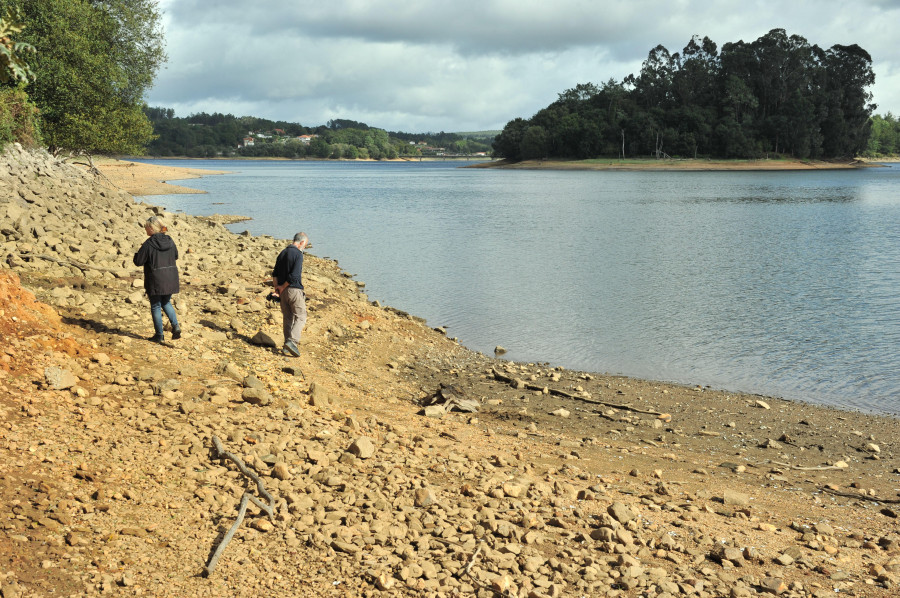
(293, 309)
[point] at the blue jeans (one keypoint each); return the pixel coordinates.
(159, 304)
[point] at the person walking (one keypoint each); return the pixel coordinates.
(158, 255)
(288, 283)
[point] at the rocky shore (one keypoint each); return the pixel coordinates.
(393, 460)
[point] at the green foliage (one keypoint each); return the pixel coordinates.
(95, 60)
(884, 140)
(18, 119)
(210, 135)
(13, 67)
(776, 95)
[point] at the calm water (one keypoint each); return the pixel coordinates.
(784, 284)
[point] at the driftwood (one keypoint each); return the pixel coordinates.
(887, 501)
(562, 393)
(242, 510)
(801, 468)
(79, 265)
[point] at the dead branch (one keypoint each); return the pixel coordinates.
(79, 265)
(801, 468)
(887, 501)
(246, 498)
(562, 393)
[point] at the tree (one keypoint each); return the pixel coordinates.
(95, 60)
(534, 143)
(13, 67)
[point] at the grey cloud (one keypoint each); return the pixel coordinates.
(462, 64)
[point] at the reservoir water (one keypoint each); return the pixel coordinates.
(779, 283)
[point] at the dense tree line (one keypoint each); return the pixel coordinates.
(776, 95)
(224, 135)
(93, 61)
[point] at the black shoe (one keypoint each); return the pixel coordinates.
(156, 339)
(176, 334)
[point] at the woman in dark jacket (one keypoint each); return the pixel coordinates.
(158, 255)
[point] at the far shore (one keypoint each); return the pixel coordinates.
(650, 164)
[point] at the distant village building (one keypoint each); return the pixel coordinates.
(248, 141)
(306, 138)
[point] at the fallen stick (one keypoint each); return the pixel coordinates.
(242, 510)
(801, 468)
(562, 393)
(887, 501)
(79, 265)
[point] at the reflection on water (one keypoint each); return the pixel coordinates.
(782, 283)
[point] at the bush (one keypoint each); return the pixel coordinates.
(18, 119)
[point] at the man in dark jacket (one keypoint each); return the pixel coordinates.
(158, 255)
(287, 279)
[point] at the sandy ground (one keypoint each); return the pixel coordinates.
(149, 179)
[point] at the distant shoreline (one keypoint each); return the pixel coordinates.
(690, 165)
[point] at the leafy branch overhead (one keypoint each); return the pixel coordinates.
(94, 61)
(12, 67)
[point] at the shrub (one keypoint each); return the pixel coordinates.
(18, 119)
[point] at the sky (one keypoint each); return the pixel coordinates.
(463, 65)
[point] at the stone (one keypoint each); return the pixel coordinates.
(621, 512)
(58, 378)
(281, 471)
(424, 497)
(261, 339)
(318, 396)
(735, 498)
(362, 448)
(256, 396)
(772, 585)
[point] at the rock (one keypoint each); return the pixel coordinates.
(362, 448)
(59, 379)
(735, 498)
(256, 396)
(281, 471)
(873, 448)
(229, 369)
(498, 350)
(262, 339)
(424, 497)
(772, 585)
(252, 381)
(149, 375)
(621, 512)
(318, 396)
(560, 412)
(762, 405)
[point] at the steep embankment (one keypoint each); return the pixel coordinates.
(563, 483)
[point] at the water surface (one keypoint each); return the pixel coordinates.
(780, 283)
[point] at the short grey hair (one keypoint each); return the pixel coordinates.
(156, 224)
(300, 237)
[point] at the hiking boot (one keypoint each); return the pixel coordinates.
(176, 333)
(290, 349)
(156, 338)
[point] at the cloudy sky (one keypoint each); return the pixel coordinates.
(464, 65)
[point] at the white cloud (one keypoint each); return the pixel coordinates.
(462, 65)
